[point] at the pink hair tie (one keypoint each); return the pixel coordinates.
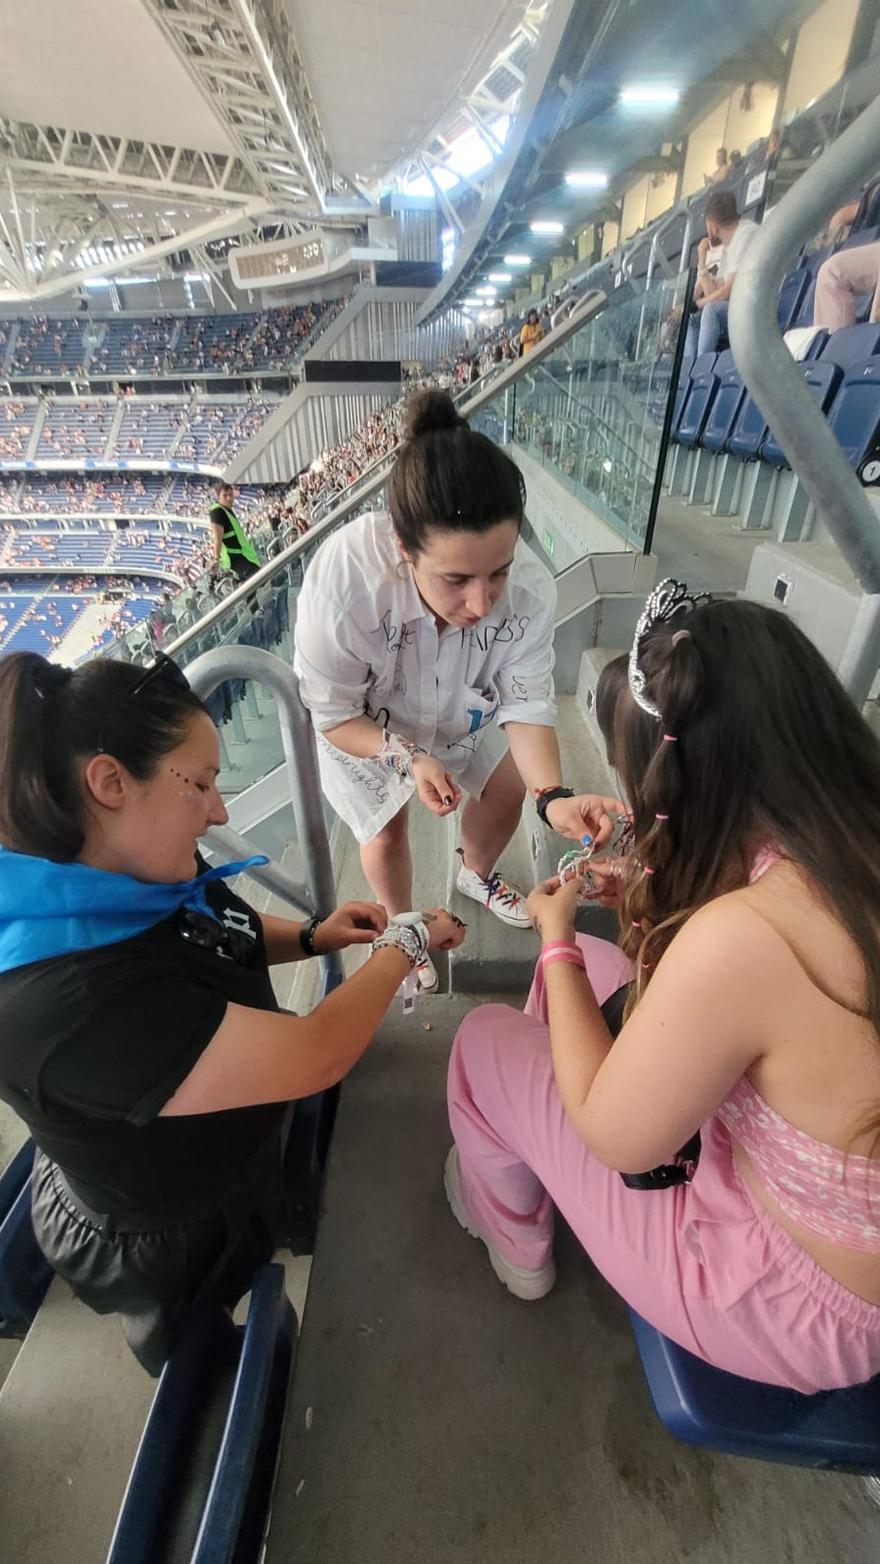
(561, 944)
(564, 955)
(636, 924)
(661, 817)
(647, 870)
(669, 738)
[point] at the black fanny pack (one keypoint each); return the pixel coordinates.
(682, 1170)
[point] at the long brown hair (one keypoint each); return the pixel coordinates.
(758, 744)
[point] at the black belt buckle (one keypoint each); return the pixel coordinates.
(681, 1171)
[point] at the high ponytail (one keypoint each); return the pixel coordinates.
(52, 719)
(449, 476)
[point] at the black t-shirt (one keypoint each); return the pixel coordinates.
(93, 1044)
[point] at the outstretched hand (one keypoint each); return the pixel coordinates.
(435, 786)
(589, 814)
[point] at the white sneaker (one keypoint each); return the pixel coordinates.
(494, 893)
(529, 1285)
(426, 973)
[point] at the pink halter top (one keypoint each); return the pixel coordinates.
(832, 1193)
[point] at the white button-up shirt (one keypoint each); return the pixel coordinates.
(366, 644)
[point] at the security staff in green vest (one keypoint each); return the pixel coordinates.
(233, 549)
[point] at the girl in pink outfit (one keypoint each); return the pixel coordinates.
(745, 1076)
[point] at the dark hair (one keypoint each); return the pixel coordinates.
(221, 484)
(721, 208)
(449, 476)
(769, 750)
(52, 718)
(532, 312)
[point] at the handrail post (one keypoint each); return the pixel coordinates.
(301, 758)
(773, 378)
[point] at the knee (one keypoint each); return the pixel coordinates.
(393, 835)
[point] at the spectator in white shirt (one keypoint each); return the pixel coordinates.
(734, 234)
(424, 648)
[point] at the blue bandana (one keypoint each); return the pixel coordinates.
(51, 909)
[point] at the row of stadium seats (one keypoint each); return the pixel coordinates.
(131, 550)
(715, 412)
(210, 429)
(260, 340)
(54, 494)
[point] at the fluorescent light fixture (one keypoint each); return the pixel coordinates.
(517, 260)
(500, 277)
(547, 227)
(586, 179)
(488, 292)
(648, 95)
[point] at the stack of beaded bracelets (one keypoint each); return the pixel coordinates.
(411, 939)
(398, 753)
(561, 950)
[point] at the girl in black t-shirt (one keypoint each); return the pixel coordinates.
(140, 1038)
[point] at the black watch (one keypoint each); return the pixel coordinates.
(552, 793)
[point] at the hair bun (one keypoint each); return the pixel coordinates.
(430, 410)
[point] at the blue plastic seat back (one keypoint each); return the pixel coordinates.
(750, 430)
(855, 416)
(836, 1429)
(698, 402)
(791, 293)
(851, 344)
(248, 1445)
(823, 379)
(726, 406)
(681, 392)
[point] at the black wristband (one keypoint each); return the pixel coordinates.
(552, 793)
(307, 937)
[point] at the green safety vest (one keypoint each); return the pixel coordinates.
(235, 540)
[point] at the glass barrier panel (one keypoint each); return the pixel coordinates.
(592, 414)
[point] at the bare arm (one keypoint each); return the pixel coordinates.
(260, 1056)
(535, 751)
(361, 736)
(217, 536)
(354, 923)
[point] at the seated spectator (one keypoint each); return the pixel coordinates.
(108, 778)
(733, 234)
(721, 169)
(849, 274)
(531, 334)
(731, 1046)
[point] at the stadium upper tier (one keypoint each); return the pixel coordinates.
(121, 428)
(254, 342)
(114, 494)
(171, 550)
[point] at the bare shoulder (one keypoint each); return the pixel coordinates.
(733, 937)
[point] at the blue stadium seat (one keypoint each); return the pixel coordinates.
(749, 432)
(25, 1274)
(855, 416)
(701, 391)
(231, 1514)
(823, 378)
(791, 293)
(726, 405)
(681, 392)
(851, 344)
(836, 1430)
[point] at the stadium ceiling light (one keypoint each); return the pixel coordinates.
(586, 179)
(500, 277)
(547, 227)
(648, 95)
(488, 292)
(517, 260)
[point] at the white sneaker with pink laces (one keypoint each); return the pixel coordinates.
(495, 893)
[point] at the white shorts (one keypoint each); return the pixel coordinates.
(366, 794)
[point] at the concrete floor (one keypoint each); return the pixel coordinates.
(434, 1418)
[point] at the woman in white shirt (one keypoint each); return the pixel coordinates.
(424, 648)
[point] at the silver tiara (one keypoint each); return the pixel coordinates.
(666, 600)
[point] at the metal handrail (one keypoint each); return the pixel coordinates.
(211, 669)
(590, 306)
(775, 380)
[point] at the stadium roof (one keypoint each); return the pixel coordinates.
(135, 129)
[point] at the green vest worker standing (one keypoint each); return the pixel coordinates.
(233, 549)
